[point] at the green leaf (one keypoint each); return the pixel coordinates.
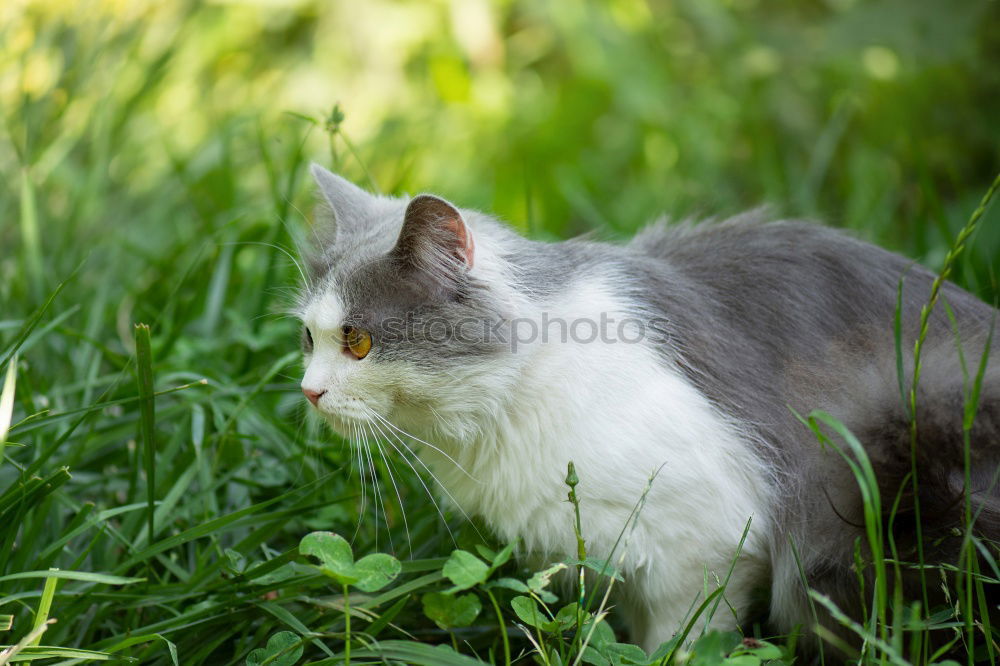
(624, 654)
(592, 656)
(541, 580)
(375, 571)
(333, 551)
(408, 652)
(666, 647)
(566, 616)
(283, 649)
(713, 647)
(502, 557)
(449, 611)
(465, 570)
(235, 562)
(510, 584)
(760, 649)
(742, 660)
(599, 566)
(528, 611)
(485, 552)
(603, 634)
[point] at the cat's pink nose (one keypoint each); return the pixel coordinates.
(313, 396)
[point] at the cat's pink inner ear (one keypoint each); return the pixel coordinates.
(438, 221)
(466, 246)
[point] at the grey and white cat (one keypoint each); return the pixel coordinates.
(690, 348)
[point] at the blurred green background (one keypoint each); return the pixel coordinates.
(559, 116)
(153, 154)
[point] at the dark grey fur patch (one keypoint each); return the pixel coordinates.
(412, 313)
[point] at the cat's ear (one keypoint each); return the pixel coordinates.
(435, 236)
(348, 202)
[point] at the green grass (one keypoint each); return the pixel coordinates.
(159, 471)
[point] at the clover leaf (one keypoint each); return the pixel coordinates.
(369, 574)
(279, 651)
(449, 611)
(465, 570)
(375, 571)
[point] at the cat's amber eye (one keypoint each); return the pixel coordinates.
(357, 341)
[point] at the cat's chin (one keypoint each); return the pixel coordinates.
(347, 424)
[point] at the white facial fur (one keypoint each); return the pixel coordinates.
(349, 389)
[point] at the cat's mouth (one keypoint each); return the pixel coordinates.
(347, 416)
(343, 420)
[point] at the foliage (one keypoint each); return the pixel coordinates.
(159, 486)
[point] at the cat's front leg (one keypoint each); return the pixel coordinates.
(657, 610)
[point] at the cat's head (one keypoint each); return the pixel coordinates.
(397, 314)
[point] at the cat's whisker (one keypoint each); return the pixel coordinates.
(350, 444)
(419, 478)
(366, 482)
(277, 247)
(378, 493)
(392, 480)
(361, 476)
(277, 316)
(428, 444)
(433, 476)
(290, 228)
(312, 228)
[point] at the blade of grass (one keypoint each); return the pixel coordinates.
(956, 249)
(84, 576)
(9, 654)
(418, 654)
(283, 615)
(805, 586)
(864, 474)
(147, 423)
(45, 605)
(861, 631)
(30, 492)
(7, 403)
(211, 526)
(32, 322)
(35, 652)
(729, 574)
(146, 638)
(29, 230)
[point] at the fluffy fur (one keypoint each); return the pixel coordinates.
(742, 322)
